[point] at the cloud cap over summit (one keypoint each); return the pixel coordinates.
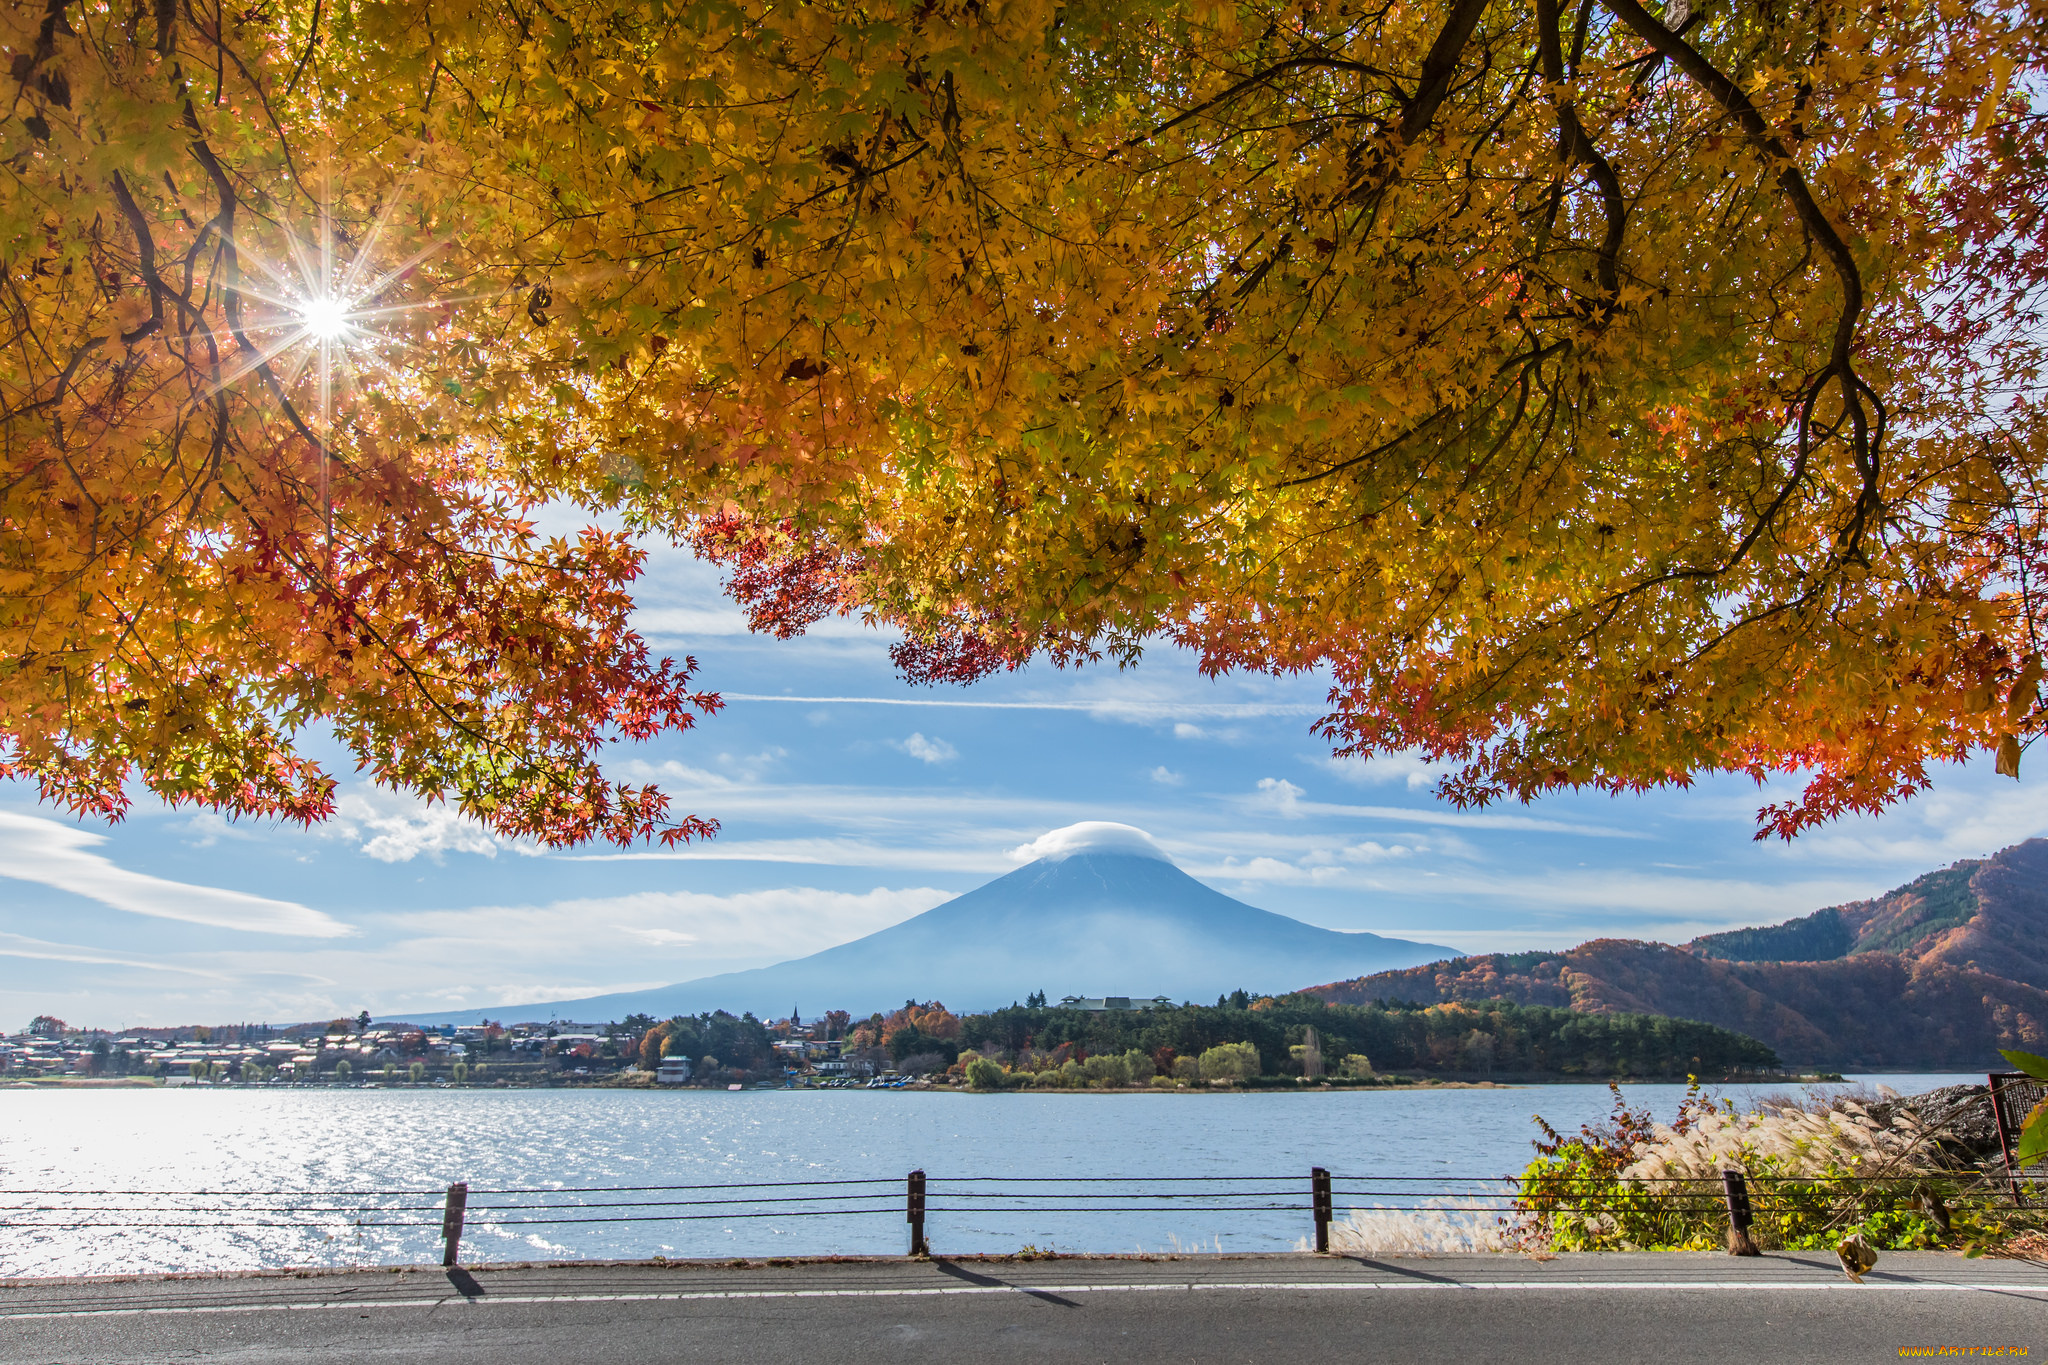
(1090, 836)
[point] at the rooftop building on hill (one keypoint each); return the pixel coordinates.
(1113, 1002)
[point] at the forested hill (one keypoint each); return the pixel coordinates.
(1493, 1039)
(1983, 914)
(1938, 974)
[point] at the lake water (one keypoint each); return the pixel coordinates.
(111, 1181)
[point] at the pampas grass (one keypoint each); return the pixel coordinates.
(1440, 1227)
(1783, 1143)
(1819, 1167)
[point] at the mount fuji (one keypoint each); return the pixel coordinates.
(1100, 910)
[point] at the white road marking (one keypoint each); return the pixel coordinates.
(1353, 1286)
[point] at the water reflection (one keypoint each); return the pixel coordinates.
(112, 1181)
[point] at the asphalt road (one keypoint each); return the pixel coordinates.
(1587, 1308)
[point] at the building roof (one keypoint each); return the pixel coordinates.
(1114, 1002)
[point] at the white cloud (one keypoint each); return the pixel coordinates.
(1968, 819)
(1275, 793)
(670, 773)
(499, 953)
(1319, 860)
(1405, 768)
(1667, 908)
(492, 954)
(208, 828)
(813, 852)
(660, 938)
(1167, 777)
(1142, 712)
(790, 917)
(1270, 870)
(1372, 852)
(35, 850)
(688, 622)
(395, 828)
(752, 767)
(1183, 730)
(928, 750)
(725, 620)
(1090, 836)
(39, 950)
(1281, 796)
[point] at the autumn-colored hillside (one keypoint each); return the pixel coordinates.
(1938, 974)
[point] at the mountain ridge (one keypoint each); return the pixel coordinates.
(1941, 972)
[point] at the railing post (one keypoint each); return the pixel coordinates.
(1735, 1189)
(1319, 1192)
(915, 1215)
(451, 1221)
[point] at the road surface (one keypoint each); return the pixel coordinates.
(1582, 1308)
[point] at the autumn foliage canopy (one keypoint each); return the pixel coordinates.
(1598, 394)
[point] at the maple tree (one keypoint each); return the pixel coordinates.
(1600, 395)
(231, 512)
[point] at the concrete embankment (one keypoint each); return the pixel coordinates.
(1585, 1308)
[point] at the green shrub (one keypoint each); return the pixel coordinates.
(1230, 1062)
(1814, 1176)
(1107, 1070)
(983, 1074)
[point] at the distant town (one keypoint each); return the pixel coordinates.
(1108, 1042)
(356, 1051)
(832, 1049)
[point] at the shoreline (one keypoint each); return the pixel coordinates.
(1426, 1083)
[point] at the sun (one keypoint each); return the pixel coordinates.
(325, 317)
(325, 306)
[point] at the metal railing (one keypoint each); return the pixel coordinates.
(969, 1200)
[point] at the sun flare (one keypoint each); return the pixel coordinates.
(325, 317)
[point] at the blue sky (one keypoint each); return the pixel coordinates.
(850, 801)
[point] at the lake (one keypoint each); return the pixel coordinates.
(112, 1181)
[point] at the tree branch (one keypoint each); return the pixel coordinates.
(1575, 147)
(312, 37)
(231, 294)
(1841, 365)
(1438, 67)
(145, 250)
(1257, 78)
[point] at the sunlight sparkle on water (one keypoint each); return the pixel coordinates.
(301, 1164)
